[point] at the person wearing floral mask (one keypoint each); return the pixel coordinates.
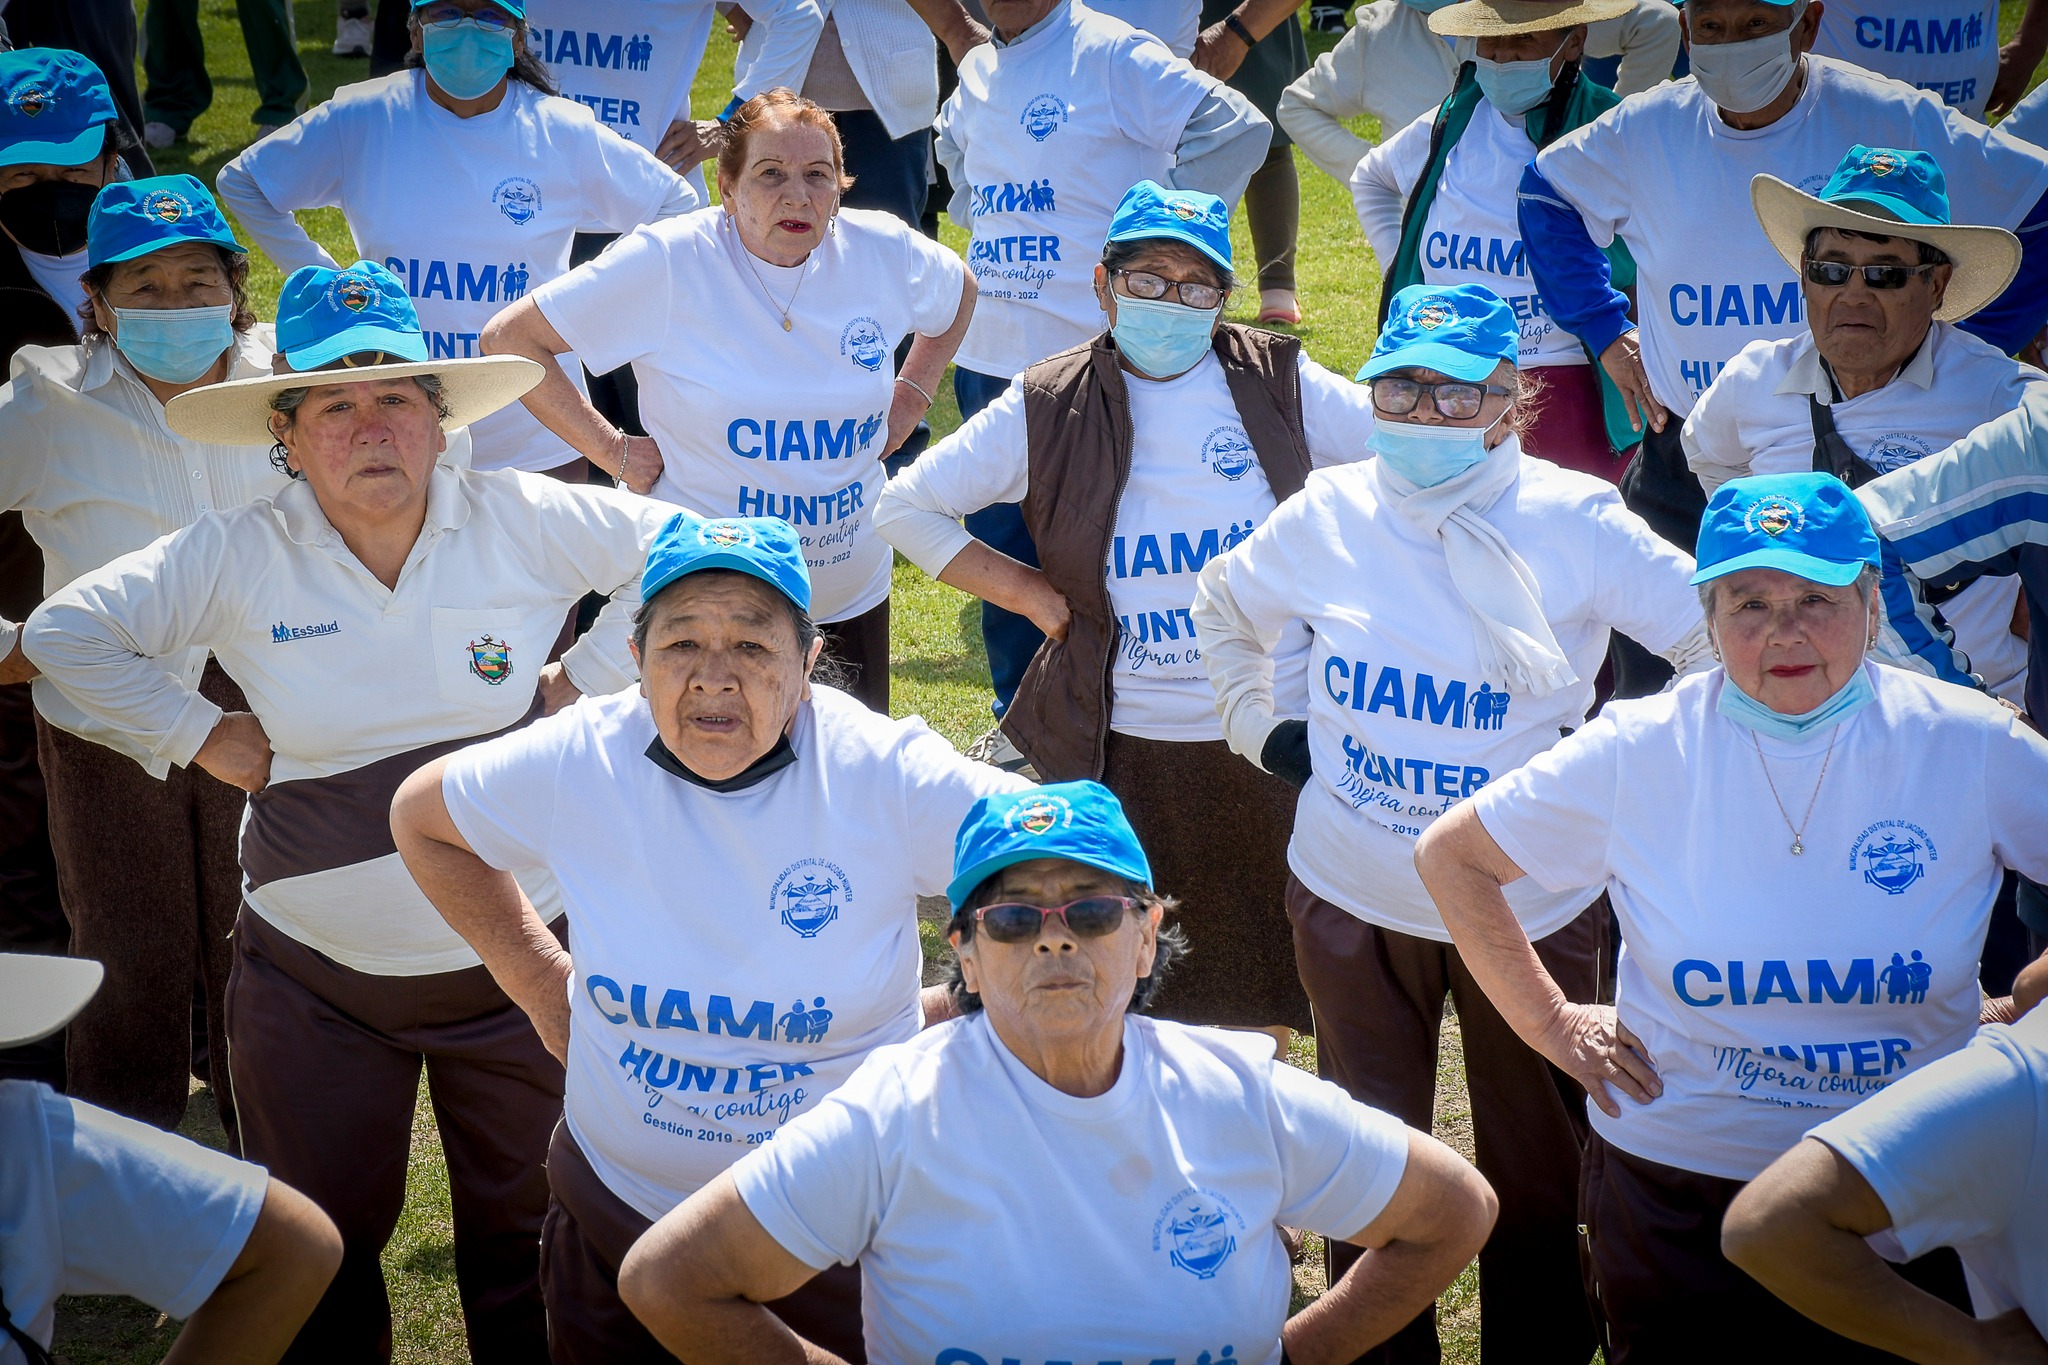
(1458, 595)
(1137, 458)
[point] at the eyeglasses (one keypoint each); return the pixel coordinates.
(1089, 917)
(1456, 400)
(1835, 274)
(489, 20)
(1144, 286)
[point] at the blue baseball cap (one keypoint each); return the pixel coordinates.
(515, 8)
(1462, 330)
(54, 108)
(766, 547)
(1808, 524)
(1082, 822)
(323, 315)
(1906, 185)
(132, 218)
(1150, 210)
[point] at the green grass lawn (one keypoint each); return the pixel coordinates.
(938, 671)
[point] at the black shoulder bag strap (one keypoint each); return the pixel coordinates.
(30, 1347)
(1831, 454)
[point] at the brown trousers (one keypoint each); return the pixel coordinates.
(31, 915)
(1668, 1296)
(1379, 1004)
(326, 1066)
(588, 1232)
(150, 881)
(861, 644)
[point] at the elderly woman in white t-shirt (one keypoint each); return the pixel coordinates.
(740, 851)
(1459, 595)
(1055, 1177)
(762, 333)
(1803, 849)
(381, 609)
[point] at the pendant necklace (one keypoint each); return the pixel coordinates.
(1798, 834)
(802, 275)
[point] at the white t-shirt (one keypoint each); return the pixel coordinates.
(1196, 489)
(736, 953)
(1053, 129)
(1401, 723)
(1472, 236)
(998, 1219)
(94, 1203)
(631, 66)
(1958, 1152)
(1774, 990)
(59, 276)
(470, 214)
(754, 420)
(1946, 47)
(1666, 175)
(1177, 23)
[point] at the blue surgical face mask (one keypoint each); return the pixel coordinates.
(1514, 87)
(174, 345)
(1162, 339)
(465, 59)
(1752, 714)
(1427, 456)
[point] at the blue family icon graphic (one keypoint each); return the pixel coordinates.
(1489, 707)
(490, 659)
(1892, 855)
(1043, 116)
(809, 895)
(863, 343)
(1198, 1229)
(1228, 451)
(518, 199)
(282, 633)
(639, 52)
(1906, 983)
(802, 1025)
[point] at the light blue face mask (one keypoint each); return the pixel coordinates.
(1428, 6)
(1428, 456)
(1514, 87)
(467, 60)
(174, 345)
(1162, 339)
(1752, 714)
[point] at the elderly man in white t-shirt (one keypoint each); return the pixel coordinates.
(1949, 48)
(1668, 173)
(1882, 376)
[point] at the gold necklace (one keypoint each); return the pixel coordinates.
(1799, 834)
(802, 275)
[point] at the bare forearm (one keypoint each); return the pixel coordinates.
(1376, 1298)
(1833, 1277)
(1492, 945)
(556, 401)
(926, 363)
(952, 25)
(994, 577)
(729, 1332)
(1263, 16)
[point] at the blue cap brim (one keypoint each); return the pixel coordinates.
(147, 247)
(1815, 570)
(1433, 355)
(406, 345)
(963, 883)
(1154, 233)
(739, 563)
(75, 152)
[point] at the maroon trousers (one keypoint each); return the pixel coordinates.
(588, 1232)
(1379, 1003)
(326, 1065)
(149, 878)
(1570, 427)
(861, 645)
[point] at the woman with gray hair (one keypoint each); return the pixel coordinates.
(1801, 906)
(379, 610)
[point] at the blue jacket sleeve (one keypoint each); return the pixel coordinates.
(2015, 317)
(1570, 272)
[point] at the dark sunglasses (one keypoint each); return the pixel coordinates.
(1144, 286)
(1835, 274)
(489, 20)
(1089, 917)
(1452, 399)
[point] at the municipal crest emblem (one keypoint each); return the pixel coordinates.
(1896, 450)
(490, 659)
(1431, 314)
(29, 101)
(1882, 162)
(1892, 855)
(862, 342)
(1187, 210)
(1228, 451)
(518, 199)
(1038, 814)
(351, 293)
(1043, 116)
(809, 895)
(1198, 1230)
(723, 535)
(1774, 516)
(166, 207)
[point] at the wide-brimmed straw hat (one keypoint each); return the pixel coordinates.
(39, 994)
(1500, 18)
(1891, 193)
(326, 317)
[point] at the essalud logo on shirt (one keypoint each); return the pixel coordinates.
(283, 634)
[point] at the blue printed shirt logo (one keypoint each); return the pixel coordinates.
(1906, 983)
(809, 895)
(284, 634)
(1896, 450)
(518, 199)
(1892, 855)
(1043, 116)
(802, 1025)
(1012, 197)
(864, 344)
(639, 52)
(1228, 451)
(1198, 1230)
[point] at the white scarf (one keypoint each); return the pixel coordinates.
(1516, 646)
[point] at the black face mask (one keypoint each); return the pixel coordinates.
(49, 216)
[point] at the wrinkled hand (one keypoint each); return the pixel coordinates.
(644, 464)
(1219, 52)
(16, 668)
(1623, 361)
(556, 691)
(906, 409)
(689, 143)
(2015, 68)
(237, 752)
(2009, 1339)
(1590, 1044)
(738, 22)
(1049, 610)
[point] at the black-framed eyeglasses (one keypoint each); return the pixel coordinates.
(491, 20)
(1089, 917)
(1454, 398)
(1835, 274)
(1145, 286)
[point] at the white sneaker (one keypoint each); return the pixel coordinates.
(352, 38)
(995, 749)
(158, 135)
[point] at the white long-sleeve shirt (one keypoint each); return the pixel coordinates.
(345, 673)
(470, 214)
(889, 49)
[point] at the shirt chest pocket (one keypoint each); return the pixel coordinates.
(486, 659)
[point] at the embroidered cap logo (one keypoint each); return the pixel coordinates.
(1774, 516)
(352, 292)
(725, 534)
(164, 206)
(1882, 163)
(1431, 314)
(30, 101)
(1039, 814)
(1184, 209)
